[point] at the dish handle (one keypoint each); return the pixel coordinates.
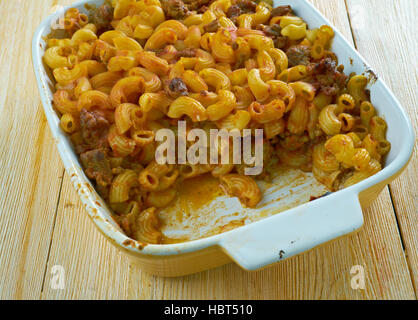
(292, 232)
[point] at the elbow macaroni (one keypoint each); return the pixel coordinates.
(112, 90)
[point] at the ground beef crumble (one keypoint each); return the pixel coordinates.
(102, 17)
(176, 88)
(97, 166)
(187, 53)
(175, 9)
(281, 11)
(326, 77)
(298, 55)
(94, 129)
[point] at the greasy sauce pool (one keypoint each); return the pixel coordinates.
(202, 209)
(195, 193)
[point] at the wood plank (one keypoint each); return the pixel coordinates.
(95, 269)
(389, 44)
(30, 169)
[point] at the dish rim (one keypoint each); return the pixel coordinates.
(95, 206)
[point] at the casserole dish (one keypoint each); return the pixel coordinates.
(263, 242)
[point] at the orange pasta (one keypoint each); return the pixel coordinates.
(146, 67)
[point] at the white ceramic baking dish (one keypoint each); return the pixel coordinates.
(266, 241)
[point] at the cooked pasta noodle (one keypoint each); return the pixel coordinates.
(148, 66)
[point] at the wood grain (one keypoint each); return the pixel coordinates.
(388, 42)
(30, 169)
(43, 226)
(323, 273)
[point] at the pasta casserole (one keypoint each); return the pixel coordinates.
(132, 68)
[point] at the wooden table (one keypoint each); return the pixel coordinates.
(43, 224)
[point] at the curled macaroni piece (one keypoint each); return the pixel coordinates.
(283, 91)
(219, 7)
(194, 82)
(83, 35)
(193, 37)
(267, 112)
(259, 42)
(312, 128)
(206, 98)
(125, 43)
(242, 187)
(94, 98)
(66, 75)
(223, 107)
(322, 39)
(187, 106)
(361, 159)
(92, 67)
(62, 101)
(121, 145)
(142, 137)
(74, 20)
(324, 160)
(238, 77)
(168, 180)
(149, 178)
(266, 65)
(121, 185)
(274, 128)
(328, 120)
(299, 117)
(304, 90)
(262, 13)
(372, 146)
(160, 38)
(293, 74)
(383, 147)
(152, 81)
(147, 227)
(121, 62)
(105, 81)
(179, 28)
(346, 102)
(69, 123)
(160, 101)
(81, 85)
(280, 59)
(378, 128)
(367, 112)
(331, 180)
(215, 78)
(238, 120)
(342, 147)
(127, 90)
(124, 116)
(373, 167)
(57, 57)
(356, 88)
(153, 63)
(244, 96)
(258, 86)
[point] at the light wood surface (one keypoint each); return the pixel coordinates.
(396, 28)
(43, 224)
